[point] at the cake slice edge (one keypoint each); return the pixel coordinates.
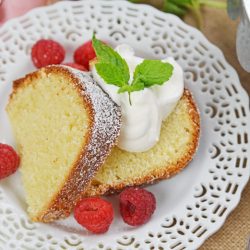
(105, 127)
(97, 188)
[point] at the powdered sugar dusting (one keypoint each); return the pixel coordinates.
(106, 116)
(107, 123)
(107, 119)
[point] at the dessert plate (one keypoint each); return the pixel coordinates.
(190, 206)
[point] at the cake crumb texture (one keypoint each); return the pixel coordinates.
(174, 150)
(54, 117)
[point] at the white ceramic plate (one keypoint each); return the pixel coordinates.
(192, 205)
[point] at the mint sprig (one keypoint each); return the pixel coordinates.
(114, 70)
(110, 66)
(147, 74)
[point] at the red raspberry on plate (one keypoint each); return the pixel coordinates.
(95, 214)
(9, 160)
(136, 206)
(76, 66)
(47, 52)
(84, 54)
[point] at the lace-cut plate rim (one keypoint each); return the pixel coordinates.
(192, 205)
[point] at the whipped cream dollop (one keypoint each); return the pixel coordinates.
(141, 121)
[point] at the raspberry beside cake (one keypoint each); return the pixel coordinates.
(65, 127)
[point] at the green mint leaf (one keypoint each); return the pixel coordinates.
(114, 70)
(152, 72)
(125, 88)
(131, 88)
(119, 73)
(110, 74)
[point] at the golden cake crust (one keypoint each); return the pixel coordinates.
(162, 173)
(90, 157)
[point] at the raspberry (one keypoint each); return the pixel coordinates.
(47, 52)
(84, 54)
(136, 206)
(76, 66)
(95, 214)
(9, 160)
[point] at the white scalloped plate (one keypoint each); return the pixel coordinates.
(192, 205)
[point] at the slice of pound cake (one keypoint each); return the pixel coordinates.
(65, 127)
(176, 147)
